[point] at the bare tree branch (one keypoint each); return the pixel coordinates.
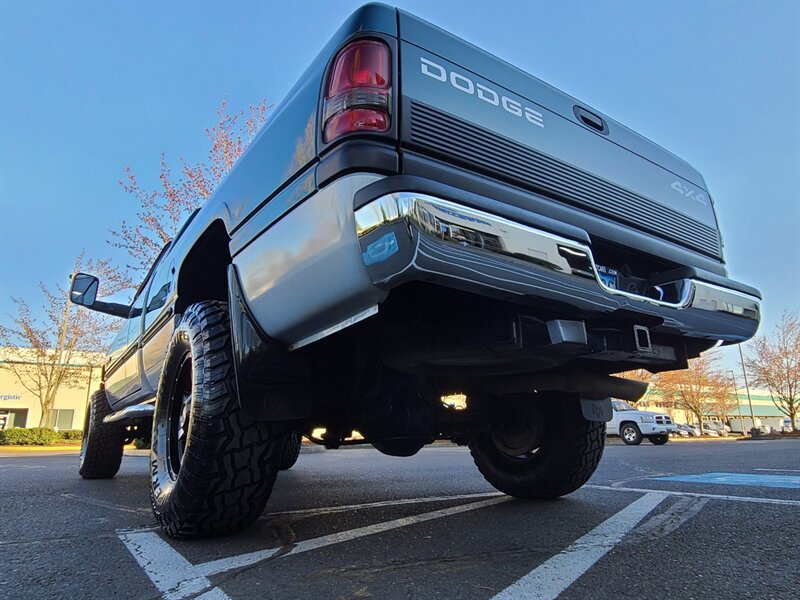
(774, 363)
(702, 389)
(162, 211)
(41, 352)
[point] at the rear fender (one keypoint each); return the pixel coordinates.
(273, 384)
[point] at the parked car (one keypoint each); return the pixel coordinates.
(417, 219)
(786, 426)
(632, 425)
(716, 426)
(689, 430)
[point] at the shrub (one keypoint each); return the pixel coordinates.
(35, 436)
(141, 444)
(71, 434)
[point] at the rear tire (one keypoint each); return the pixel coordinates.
(659, 440)
(630, 434)
(551, 451)
(290, 450)
(103, 443)
(212, 467)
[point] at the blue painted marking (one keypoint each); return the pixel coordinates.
(381, 249)
(771, 481)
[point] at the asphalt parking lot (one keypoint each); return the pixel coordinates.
(357, 524)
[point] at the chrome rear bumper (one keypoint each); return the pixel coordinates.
(407, 236)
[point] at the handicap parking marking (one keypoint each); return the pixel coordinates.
(791, 482)
(726, 498)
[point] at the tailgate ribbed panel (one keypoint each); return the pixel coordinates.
(451, 136)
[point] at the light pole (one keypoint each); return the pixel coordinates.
(747, 387)
(738, 404)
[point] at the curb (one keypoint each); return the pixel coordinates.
(769, 437)
(730, 438)
(67, 449)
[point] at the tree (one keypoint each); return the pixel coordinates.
(698, 389)
(774, 363)
(54, 343)
(163, 210)
(723, 398)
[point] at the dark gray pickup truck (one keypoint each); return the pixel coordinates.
(417, 220)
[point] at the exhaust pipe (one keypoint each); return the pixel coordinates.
(587, 384)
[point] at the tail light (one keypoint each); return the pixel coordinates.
(359, 90)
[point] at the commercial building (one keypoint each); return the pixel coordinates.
(763, 409)
(20, 372)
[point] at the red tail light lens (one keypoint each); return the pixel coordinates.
(356, 119)
(361, 64)
(359, 90)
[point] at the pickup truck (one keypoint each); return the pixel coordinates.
(418, 219)
(634, 425)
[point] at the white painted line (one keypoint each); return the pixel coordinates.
(236, 562)
(336, 509)
(215, 594)
(682, 510)
(781, 470)
(104, 504)
(173, 575)
(345, 536)
(556, 574)
(244, 560)
(754, 499)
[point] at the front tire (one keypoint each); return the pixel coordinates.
(543, 449)
(103, 443)
(659, 440)
(212, 467)
(630, 434)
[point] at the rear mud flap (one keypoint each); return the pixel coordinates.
(596, 409)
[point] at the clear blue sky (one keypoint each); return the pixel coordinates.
(87, 88)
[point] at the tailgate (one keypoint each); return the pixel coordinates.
(467, 106)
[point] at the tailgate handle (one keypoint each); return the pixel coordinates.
(590, 120)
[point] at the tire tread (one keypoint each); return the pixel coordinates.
(575, 448)
(103, 446)
(231, 461)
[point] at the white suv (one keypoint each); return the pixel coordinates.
(632, 425)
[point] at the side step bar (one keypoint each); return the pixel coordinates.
(130, 413)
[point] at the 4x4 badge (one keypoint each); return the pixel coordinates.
(688, 192)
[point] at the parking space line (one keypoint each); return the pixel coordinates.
(336, 509)
(780, 470)
(556, 574)
(753, 499)
(176, 578)
(104, 504)
(173, 575)
(682, 510)
(244, 560)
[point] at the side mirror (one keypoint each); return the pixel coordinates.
(83, 290)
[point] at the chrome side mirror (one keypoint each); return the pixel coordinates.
(83, 290)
